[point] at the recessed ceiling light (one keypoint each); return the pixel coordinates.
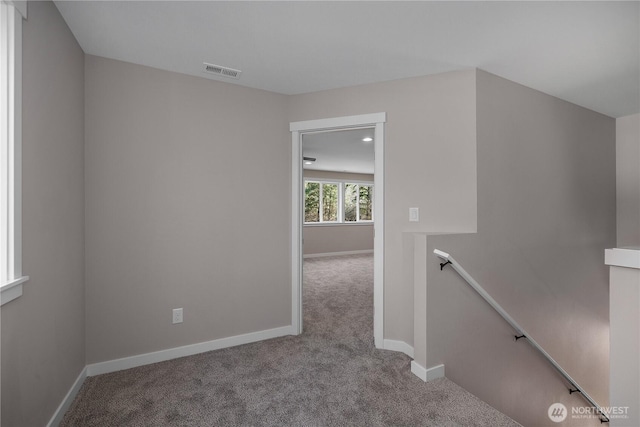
(367, 139)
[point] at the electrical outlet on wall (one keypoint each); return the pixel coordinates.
(414, 214)
(177, 315)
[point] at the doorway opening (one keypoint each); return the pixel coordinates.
(341, 211)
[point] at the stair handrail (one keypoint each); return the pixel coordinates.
(521, 333)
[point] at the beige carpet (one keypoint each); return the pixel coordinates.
(329, 376)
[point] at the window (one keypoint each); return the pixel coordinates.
(11, 278)
(337, 202)
(357, 202)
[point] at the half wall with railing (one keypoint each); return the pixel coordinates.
(574, 387)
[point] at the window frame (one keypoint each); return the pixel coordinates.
(341, 201)
(11, 277)
(359, 184)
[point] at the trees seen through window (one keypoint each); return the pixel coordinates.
(337, 202)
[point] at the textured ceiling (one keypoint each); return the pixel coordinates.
(584, 52)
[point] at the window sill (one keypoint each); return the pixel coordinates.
(336, 224)
(12, 289)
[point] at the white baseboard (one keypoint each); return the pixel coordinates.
(68, 399)
(364, 251)
(400, 346)
(427, 374)
(187, 350)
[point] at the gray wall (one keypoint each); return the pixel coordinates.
(187, 205)
(628, 179)
(159, 235)
(337, 238)
(43, 346)
(546, 212)
(430, 163)
(322, 239)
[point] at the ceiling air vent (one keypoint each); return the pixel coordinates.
(222, 71)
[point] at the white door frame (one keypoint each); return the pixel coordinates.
(298, 129)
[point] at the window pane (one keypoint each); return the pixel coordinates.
(366, 192)
(311, 202)
(330, 202)
(350, 202)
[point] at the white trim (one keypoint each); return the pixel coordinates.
(337, 181)
(12, 290)
(400, 346)
(337, 224)
(20, 5)
(297, 220)
(68, 399)
(427, 374)
(187, 350)
(376, 121)
(622, 257)
(11, 155)
(378, 233)
(322, 125)
(326, 254)
(17, 146)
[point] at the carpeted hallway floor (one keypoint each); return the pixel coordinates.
(329, 376)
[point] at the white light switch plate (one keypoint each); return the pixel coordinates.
(414, 214)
